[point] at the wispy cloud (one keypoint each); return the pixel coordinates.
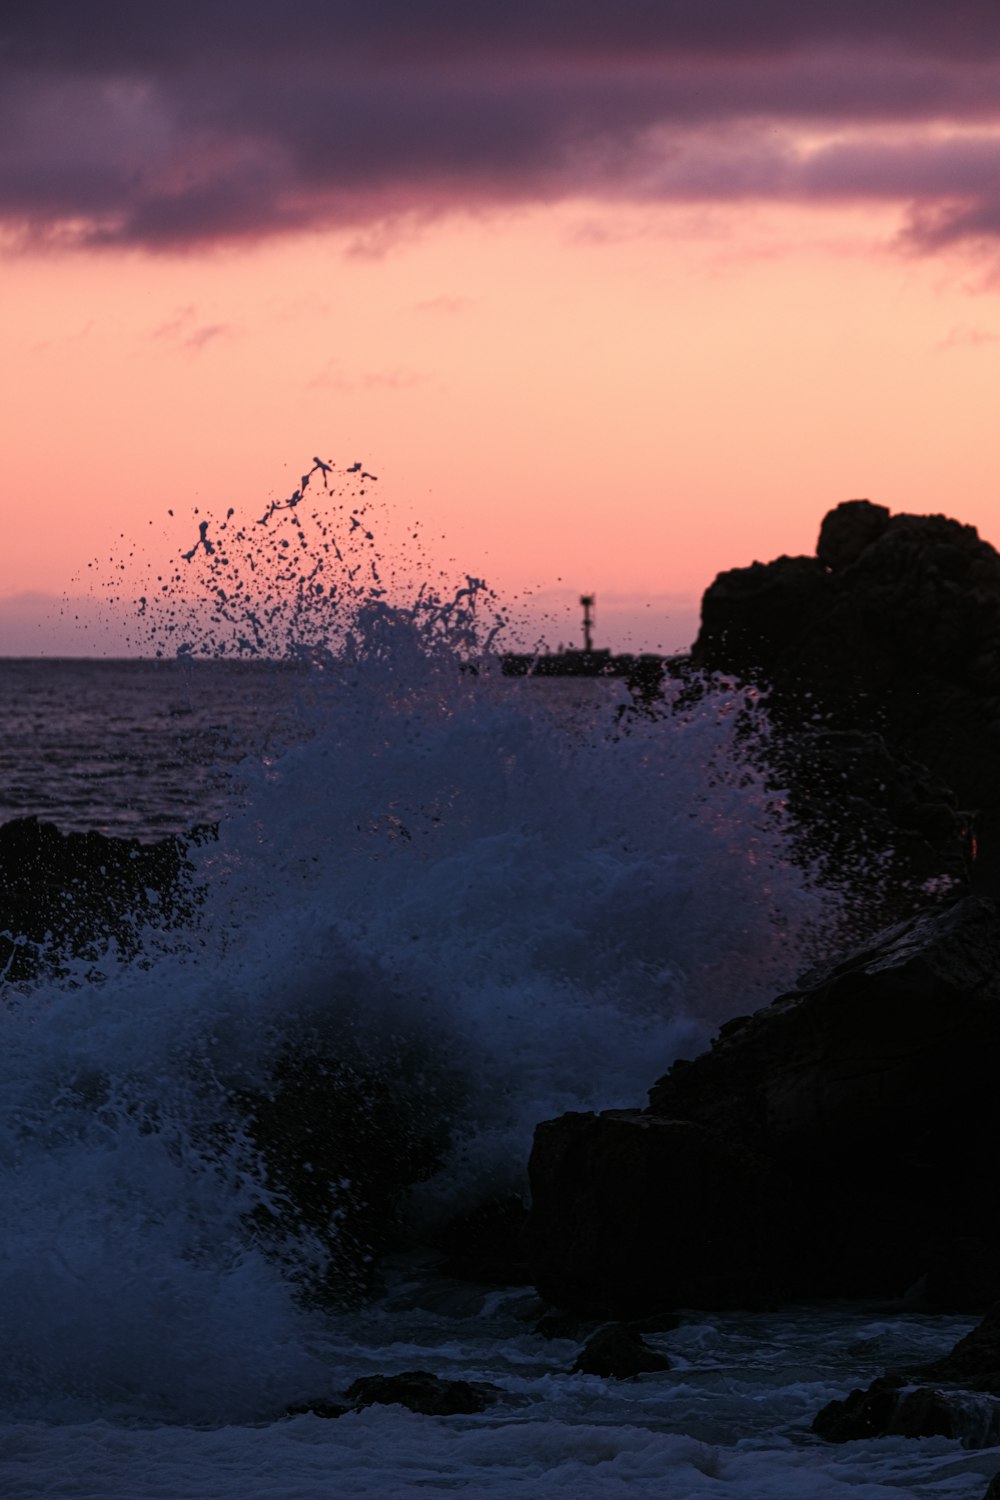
(185, 332)
(962, 336)
(206, 334)
(334, 376)
(447, 306)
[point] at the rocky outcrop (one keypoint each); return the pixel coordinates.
(837, 1143)
(65, 894)
(893, 1406)
(892, 628)
(955, 1397)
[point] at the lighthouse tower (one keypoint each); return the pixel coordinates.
(588, 601)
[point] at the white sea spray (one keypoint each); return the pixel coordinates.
(544, 894)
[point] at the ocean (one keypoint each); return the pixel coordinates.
(136, 748)
(551, 897)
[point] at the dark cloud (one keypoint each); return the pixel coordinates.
(121, 34)
(173, 127)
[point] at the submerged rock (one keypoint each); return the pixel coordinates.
(618, 1353)
(798, 1157)
(328, 1410)
(421, 1392)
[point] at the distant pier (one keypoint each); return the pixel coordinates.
(644, 671)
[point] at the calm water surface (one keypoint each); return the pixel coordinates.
(138, 748)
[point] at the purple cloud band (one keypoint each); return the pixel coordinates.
(174, 126)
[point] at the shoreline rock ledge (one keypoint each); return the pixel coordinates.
(839, 1142)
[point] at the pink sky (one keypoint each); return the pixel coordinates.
(610, 298)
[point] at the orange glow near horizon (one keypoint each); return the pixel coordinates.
(570, 400)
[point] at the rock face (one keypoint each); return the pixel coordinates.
(631, 1212)
(893, 627)
(836, 1143)
(486, 1244)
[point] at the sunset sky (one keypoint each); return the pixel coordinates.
(610, 296)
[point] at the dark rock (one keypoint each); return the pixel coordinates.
(894, 627)
(749, 615)
(888, 1407)
(618, 1353)
(630, 1211)
(327, 1409)
(963, 1276)
(993, 1489)
(975, 1360)
(875, 826)
(926, 1412)
(69, 894)
(848, 530)
(419, 1391)
(423, 1393)
(342, 1128)
(566, 1325)
(862, 1414)
(798, 1156)
(902, 1028)
(562, 1325)
(892, 1409)
(664, 1322)
(961, 1403)
(487, 1244)
(346, 1126)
